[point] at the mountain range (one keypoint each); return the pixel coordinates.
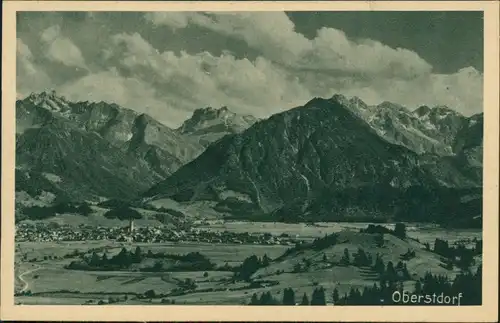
(330, 159)
(89, 150)
(208, 124)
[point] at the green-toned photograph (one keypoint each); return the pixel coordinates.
(249, 158)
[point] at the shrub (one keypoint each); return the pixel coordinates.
(400, 230)
(123, 213)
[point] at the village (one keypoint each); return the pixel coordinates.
(41, 232)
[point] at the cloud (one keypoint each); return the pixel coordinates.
(331, 62)
(270, 32)
(129, 92)
(172, 19)
(23, 51)
(29, 76)
(193, 81)
(332, 50)
(462, 90)
(287, 71)
(274, 35)
(61, 49)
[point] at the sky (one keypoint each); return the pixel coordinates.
(168, 64)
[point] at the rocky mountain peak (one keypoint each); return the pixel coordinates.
(422, 111)
(340, 98)
(48, 100)
(209, 124)
(357, 102)
(211, 113)
(392, 107)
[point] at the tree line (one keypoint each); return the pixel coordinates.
(458, 255)
(45, 212)
(399, 230)
(193, 261)
(467, 283)
(249, 266)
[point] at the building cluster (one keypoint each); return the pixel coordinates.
(44, 233)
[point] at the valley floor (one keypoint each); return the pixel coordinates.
(41, 276)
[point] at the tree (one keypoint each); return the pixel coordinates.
(325, 259)
(188, 284)
(84, 209)
(137, 257)
(205, 274)
(379, 265)
(466, 257)
(418, 287)
(406, 273)
(346, 259)
(335, 296)
(123, 213)
(390, 272)
(265, 261)
(318, 297)
(288, 296)
(254, 300)
(305, 300)
(400, 230)
(94, 260)
(266, 299)
(360, 258)
(123, 258)
(442, 248)
(249, 266)
(297, 268)
(369, 259)
(158, 265)
(478, 248)
(150, 294)
(354, 296)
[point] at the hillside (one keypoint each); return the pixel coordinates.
(468, 143)
(291, 159)
(313, 260)
(425, 130)
(86, 150)
(81, 164)
(457, 207)
(331, 159)
(355, 260)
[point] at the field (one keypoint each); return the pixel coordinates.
(422, 232)
(48, 278)
(50, 283)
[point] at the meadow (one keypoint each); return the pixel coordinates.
(50, 283)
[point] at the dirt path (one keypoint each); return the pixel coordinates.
(21, 277)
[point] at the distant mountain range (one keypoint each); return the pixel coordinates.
(327, 161)
(331, 159)
(425, 130)
(87, 150)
